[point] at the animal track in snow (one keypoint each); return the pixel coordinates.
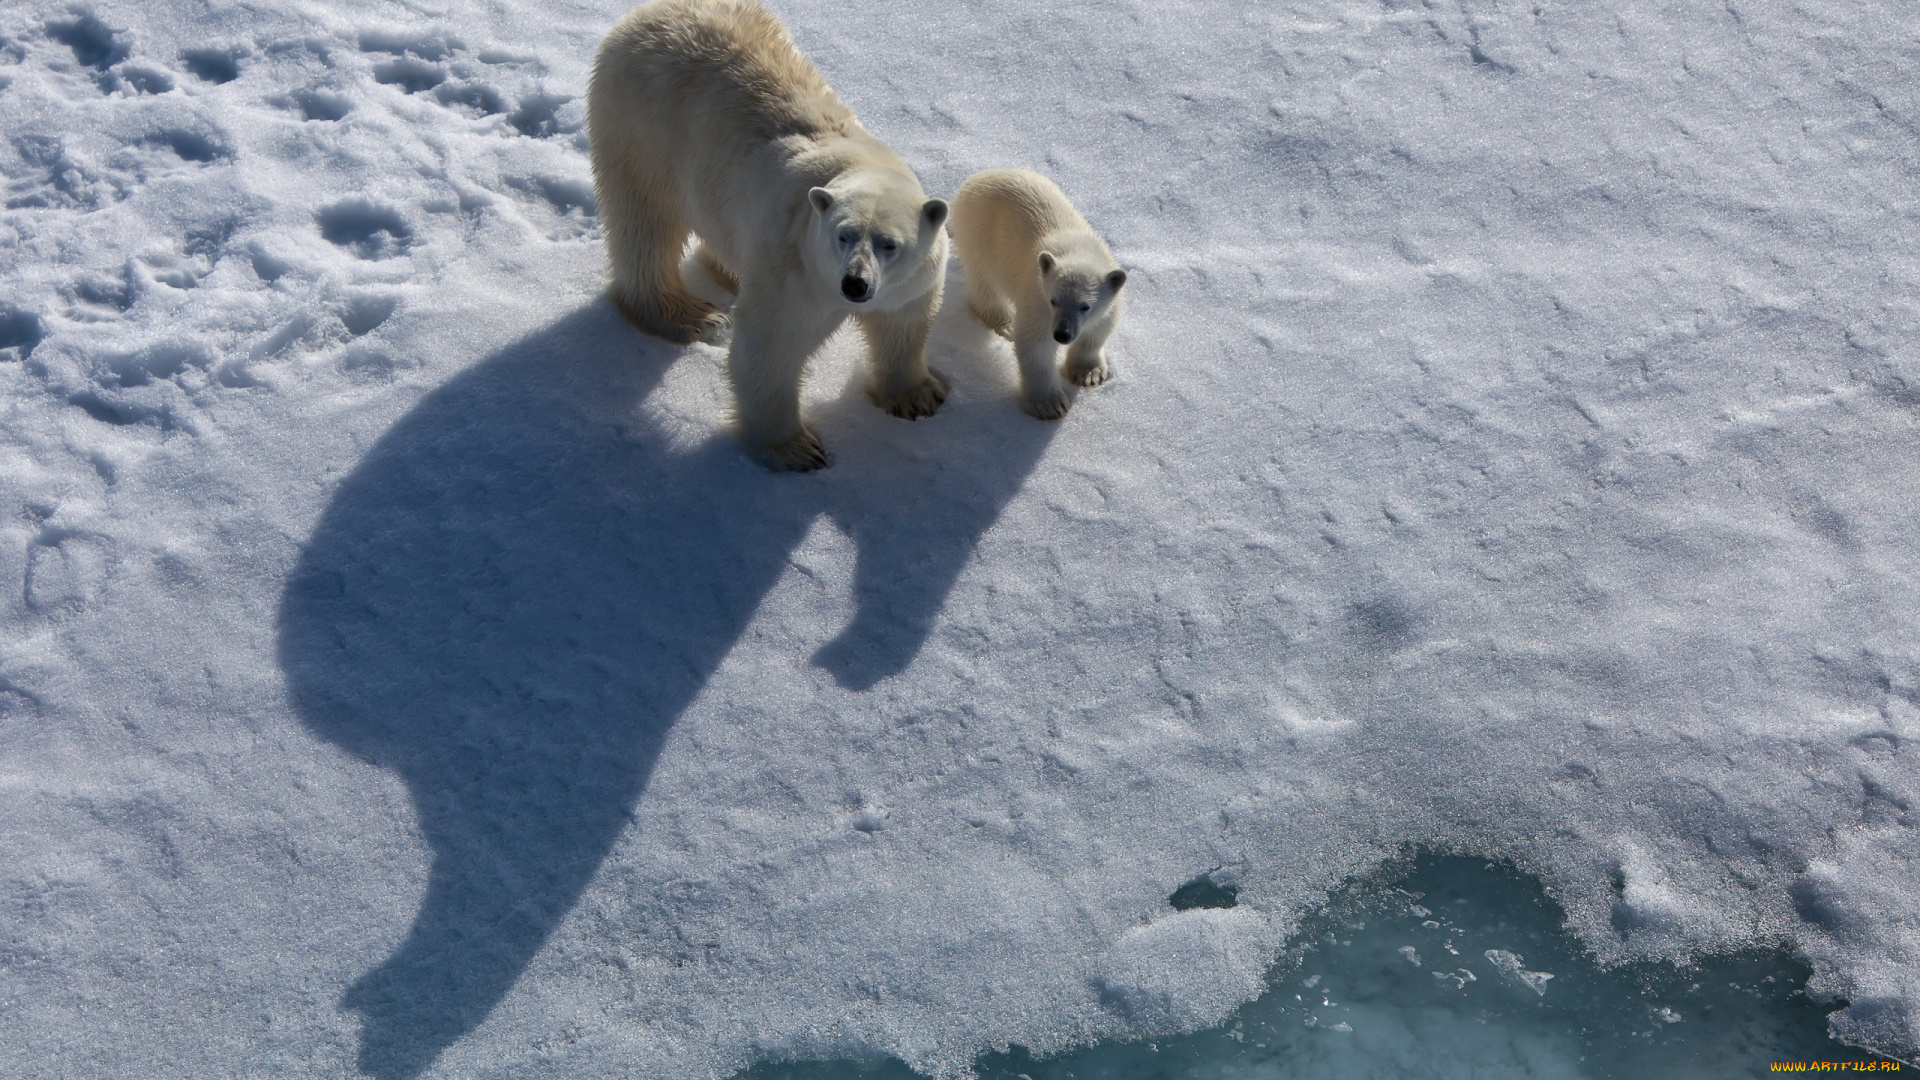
(538, 116)
(364, 314)
(56, 179)
(417, 67)
(96, 296)
(437, 62)
(213, 65)
(425, 45)
(20, 331)
(177, 273)
(267, 266)
(147, 80)
(190, 145)
(367, 229)
(93, 42)
(409, 74)
(563, 195)
(570, 201)
(63, 573)
(477, 97)
(321, 104)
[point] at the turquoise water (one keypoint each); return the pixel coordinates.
(1349, 1000)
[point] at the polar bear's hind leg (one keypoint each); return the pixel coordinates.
(708, 261)
(645, 239)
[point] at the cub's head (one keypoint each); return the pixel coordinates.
(1080, 293)
(876, 239)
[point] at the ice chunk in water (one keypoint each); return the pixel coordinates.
(1508, 964)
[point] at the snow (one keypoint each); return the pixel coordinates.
(402, 669)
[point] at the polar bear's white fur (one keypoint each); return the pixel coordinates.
(1038, 274)
(705, 119)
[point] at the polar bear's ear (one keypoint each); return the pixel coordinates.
(936, 212)
(1116, 279)
(821, 198)
(1046, 262)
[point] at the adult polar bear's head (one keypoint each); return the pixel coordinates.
(876, 239)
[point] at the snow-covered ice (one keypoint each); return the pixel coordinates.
(1363, 1014)
(1512, 451)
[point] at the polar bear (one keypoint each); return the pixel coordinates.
(1038, 274)
(705, 119)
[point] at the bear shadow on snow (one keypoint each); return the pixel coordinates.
(525, 582)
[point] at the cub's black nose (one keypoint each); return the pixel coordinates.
(853, 288)
(1063, 337)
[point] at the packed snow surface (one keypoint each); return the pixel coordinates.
(402, 669)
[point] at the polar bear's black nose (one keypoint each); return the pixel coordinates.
(853, 288)
(1063, 336)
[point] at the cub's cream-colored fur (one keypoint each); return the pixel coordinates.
(1039, 275)
(706, 120)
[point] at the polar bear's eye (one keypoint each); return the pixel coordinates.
(1084, 308)
(848, 236)
(889, 246)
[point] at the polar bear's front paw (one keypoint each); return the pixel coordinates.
(802, 453)
(924, 399)
(1050, 406)
(1092, 374)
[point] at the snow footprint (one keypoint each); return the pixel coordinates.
(538, 116)
(216, 66)
(438, 63)
(98, 46)
(317, 104)
(63, 573)
(367, 229)
(417, 66)
(53, 177)
(189, 145)
(410, 75)
(20, 331)
(93, 42)
(571, 201)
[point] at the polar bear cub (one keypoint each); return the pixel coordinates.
(1038, 274)
(704, 119)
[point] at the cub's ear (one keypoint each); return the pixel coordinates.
(1046, 262)
(1116, 279)
(936, 212)
(821, 198)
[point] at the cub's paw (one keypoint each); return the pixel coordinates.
(1051, 406)
(1089, 374)
(922, 400)
(802, 453)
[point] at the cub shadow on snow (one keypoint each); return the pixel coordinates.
(525, 582)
